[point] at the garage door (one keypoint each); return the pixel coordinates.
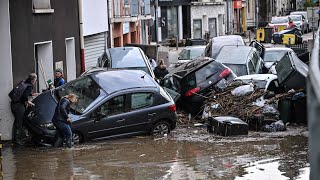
(94, 46)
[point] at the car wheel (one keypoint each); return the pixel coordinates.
(160, 128)
(76, 138)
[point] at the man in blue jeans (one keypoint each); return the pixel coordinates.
(62, 121)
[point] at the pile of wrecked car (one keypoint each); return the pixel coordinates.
(232, 105)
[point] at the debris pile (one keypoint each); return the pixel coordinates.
(245, 106)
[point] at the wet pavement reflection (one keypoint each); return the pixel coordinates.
(174, 157)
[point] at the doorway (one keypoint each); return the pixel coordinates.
(43, 64)
(71, 59)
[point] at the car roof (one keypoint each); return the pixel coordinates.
(117, 80)
(258, 77)
(187, 68)
(195, 47)
(295, 15)
(227, 52)
(227, 37)
(278, 49)
(124, 47)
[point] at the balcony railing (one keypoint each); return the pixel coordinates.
(314, 110)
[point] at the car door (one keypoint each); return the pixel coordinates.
(108, 119)
(142, 111)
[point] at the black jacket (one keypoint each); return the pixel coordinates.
(62, 111)
(27, 92)
(160, 72)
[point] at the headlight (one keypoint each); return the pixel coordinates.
(49, 126)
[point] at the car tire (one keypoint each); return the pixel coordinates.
(160, 128)
(76, 138)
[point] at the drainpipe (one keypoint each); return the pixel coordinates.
(83, 68)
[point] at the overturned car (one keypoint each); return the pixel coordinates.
(196, 80)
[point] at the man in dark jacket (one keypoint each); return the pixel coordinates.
(61, 120)
(58, 80)
(18, 108)
(161, 70)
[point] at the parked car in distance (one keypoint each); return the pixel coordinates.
(110, 104)
(216, 43)
(273, 55)
(279, 21)
(300, 22)
(190, 52)
(196, 79)
(305, 15)
(125, 58)
(242, 60)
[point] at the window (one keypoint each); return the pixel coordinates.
(134, 8)
(41, 6)
(141, 100)
(113, 106)
(213, 27)
(197, 29)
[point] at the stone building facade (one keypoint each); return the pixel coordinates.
(207, 18)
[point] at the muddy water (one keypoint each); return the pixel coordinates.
(189, 153)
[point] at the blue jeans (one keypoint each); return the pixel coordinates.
(64, 132)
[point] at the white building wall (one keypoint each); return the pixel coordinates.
(95, 16)
(207, 11)
(6, 117)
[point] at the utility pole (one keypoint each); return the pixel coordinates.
(156, 4)
(257, 13)
(228, 17)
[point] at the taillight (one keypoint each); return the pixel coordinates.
(192, 91)
(172, 108)
(224, 73)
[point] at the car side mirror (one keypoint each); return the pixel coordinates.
(179, 57)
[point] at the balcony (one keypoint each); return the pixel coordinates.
(131, 10)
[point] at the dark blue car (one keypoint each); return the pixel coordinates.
(110, 104)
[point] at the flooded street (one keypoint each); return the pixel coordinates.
(188, 153)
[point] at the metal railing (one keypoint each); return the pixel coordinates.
(314, 110)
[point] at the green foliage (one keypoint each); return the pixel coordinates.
(309, 3)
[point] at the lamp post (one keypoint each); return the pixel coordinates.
(156, 4)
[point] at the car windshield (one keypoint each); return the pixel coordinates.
(126, 58)
(279, 20)
(296, 18)
(86, 89)
(273, 56)
(216, 46)
(238, 69)
(191, 53)
(239, 54)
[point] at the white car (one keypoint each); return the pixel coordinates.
(300, 22)
(261, 81)
(305, 15)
